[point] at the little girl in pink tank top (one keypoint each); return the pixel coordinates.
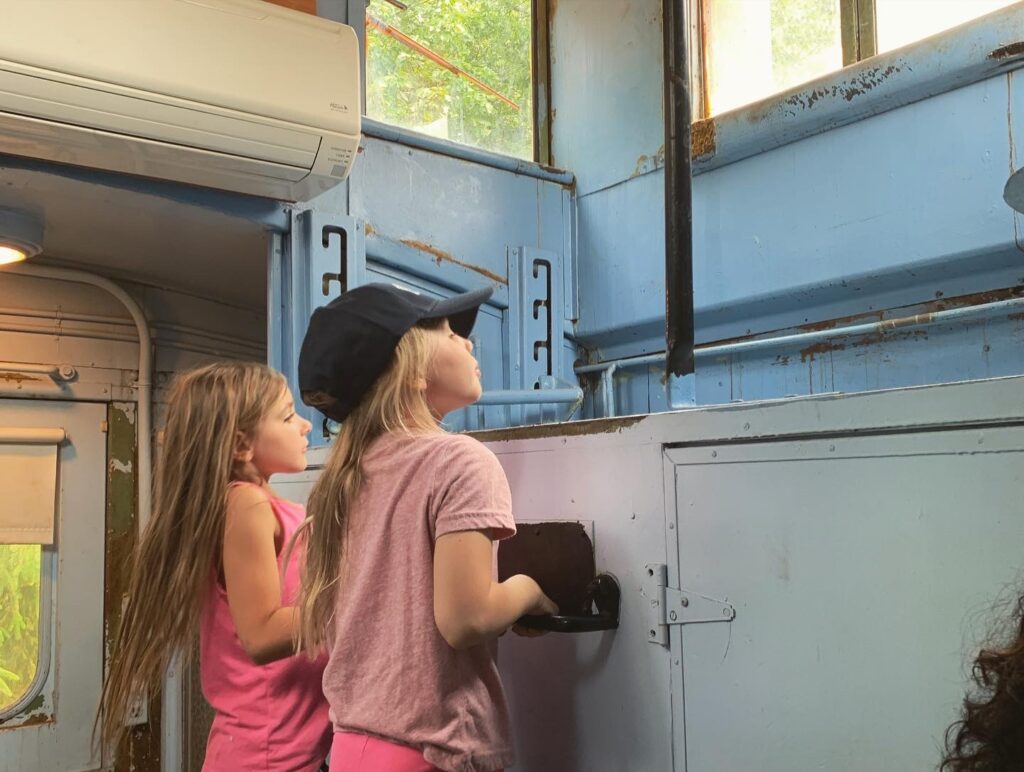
(211, 562)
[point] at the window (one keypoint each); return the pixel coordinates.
(455, 69)
(900, 22)
(20, 572)
(755, 48)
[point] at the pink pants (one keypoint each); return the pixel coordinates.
(352, 752)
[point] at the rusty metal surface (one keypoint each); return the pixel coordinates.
(140, 749)
(572, 429)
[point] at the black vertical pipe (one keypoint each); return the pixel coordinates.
(678, 219)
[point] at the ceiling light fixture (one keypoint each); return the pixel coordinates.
(21, 236)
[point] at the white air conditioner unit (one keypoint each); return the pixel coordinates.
(239, 95)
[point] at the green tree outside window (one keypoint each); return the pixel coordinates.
(19, 619)
(489, 40)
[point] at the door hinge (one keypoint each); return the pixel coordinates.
(670, 606)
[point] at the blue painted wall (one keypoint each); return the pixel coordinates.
(891, 211)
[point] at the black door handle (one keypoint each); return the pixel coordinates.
(603, 592)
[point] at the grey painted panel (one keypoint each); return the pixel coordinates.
(860, 567)
(594, 702)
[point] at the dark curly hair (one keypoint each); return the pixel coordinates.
(989, 735)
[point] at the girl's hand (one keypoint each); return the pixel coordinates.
(543, 605)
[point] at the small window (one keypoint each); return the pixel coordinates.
(755, 48)
(20, 621)
(900, 22)
(455, 69)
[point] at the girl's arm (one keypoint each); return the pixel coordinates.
(469, 606)
(265, 628)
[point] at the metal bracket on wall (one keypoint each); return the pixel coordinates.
(670, 606)
(534, 327)
(319, 258)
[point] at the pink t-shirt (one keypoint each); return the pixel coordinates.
(391, 674)
(268, 717)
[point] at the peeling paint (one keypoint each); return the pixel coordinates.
(646, 164)
(37, 718)
(117, 465)
(1007, 52)
(442, 256)
(704, 138)
(368, 229)
(848, 90)
(20, 719)
(569, 429)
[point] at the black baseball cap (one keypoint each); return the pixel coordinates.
(350, 341)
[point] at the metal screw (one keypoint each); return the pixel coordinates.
(746, 425)
(684, 601)
(726, 612)
(831, 447)
(653, 633)
(673, 616)
(671, 526)
(714, 454)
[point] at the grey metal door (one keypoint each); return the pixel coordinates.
(862, 570)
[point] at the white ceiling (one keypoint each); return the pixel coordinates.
(143, 237)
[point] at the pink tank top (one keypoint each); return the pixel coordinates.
(268, 717)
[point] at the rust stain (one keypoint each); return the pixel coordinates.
(440, 256)
(570, 429)
(368, 229)
(641, 162)
(35, 719)
(817, 349)
(649, 163)
(18, 378)
(1007, 52)
(926, 314)
(843, 321)
(703, 138)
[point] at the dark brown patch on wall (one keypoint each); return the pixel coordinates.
(1007, 52)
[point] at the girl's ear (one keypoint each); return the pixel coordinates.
(242, 453)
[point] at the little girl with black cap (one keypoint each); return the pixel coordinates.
(398, 584)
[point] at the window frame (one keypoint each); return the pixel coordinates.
(540, 66)
(859, 32)
(961, 56)
(44, 658)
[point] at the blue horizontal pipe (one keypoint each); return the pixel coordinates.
(815, 336)
(372, 128)
(530, 397)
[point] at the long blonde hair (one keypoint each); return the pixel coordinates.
(395, 403)
(182, 545)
